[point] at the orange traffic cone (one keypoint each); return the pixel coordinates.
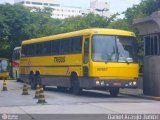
(25, 90)
(37, 92)
(41, 98)
(4, 86)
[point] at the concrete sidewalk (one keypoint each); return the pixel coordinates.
(137, 93)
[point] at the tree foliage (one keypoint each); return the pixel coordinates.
(83, 22)
(145, 8)
(19, 23)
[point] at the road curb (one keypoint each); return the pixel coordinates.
(141, 96)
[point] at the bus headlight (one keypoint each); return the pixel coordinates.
(134, 83)
(97, 82)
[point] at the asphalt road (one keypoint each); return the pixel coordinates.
(89, 105)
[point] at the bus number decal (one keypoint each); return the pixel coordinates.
(102, 69)
(59, 59)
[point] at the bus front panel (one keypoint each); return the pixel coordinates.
(113, 61)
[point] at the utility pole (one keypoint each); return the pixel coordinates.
(102, 10)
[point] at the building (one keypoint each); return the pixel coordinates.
(100, 7)
(149, 29)
(61, 12)
(6, 1)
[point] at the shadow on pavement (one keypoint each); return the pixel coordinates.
(86, 93)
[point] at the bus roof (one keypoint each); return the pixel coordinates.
(17, 48)
(80, 32)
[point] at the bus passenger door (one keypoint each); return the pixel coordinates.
(86, 57)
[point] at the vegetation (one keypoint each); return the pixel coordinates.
(145, 8)
(18, 23)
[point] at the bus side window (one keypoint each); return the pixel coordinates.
(39, 50)
(67, 46)
(55, 47)
(86, 51)
(76, 45)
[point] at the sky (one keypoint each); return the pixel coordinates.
(115, 5)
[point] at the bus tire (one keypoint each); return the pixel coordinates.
(114, 92)
(44, 87)
(18, 80)
(62, 89)
(76, 89)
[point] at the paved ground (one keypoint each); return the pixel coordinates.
(89, 102)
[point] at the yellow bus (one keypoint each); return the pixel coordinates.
(4, 68)
(87, 59)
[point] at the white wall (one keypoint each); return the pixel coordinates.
(62, 12)
(98, 4)
(6, 1)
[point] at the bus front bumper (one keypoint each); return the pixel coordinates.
(107, 83)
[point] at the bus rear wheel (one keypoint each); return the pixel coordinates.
(114, 92)
(18, 80)
(76, 89)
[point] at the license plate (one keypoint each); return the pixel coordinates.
(116, 84)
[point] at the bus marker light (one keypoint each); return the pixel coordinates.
(126, 85)
(135, 78)
(102, 82)
(130, 83)
(107, 84)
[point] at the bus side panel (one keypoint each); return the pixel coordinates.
(53, 71)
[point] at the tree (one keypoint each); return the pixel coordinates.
(119, 24)
(12, 22)
(84, 22)
(145, 8)
(19, 23)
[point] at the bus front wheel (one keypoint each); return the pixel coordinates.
(114, 92)
(75, 85)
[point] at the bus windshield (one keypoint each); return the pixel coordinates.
(113, 48)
